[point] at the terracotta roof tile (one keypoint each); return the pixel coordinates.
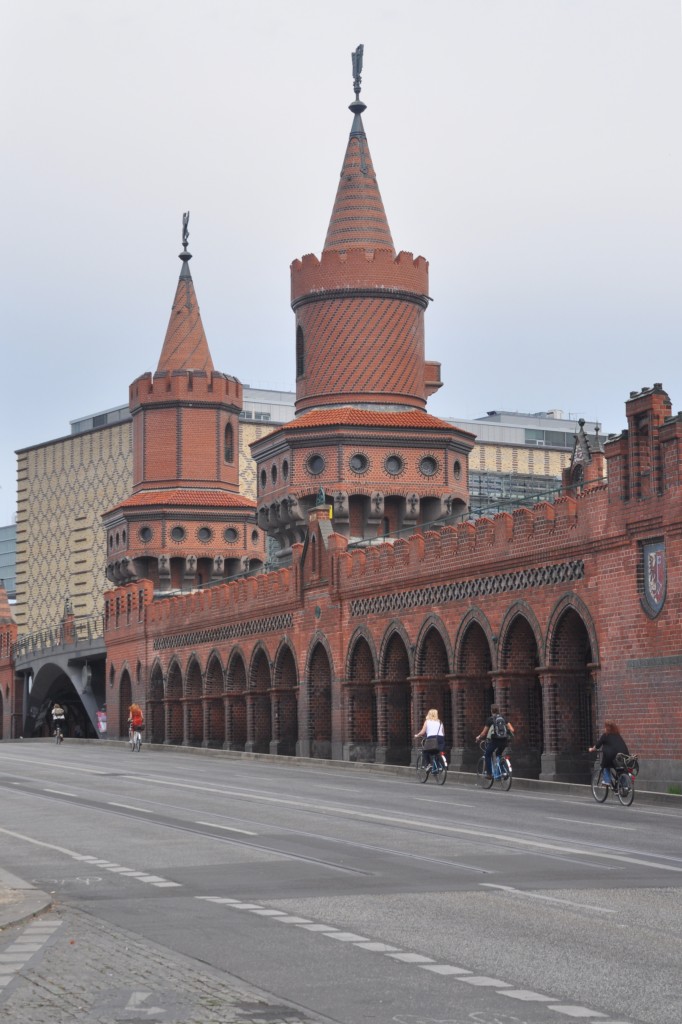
(180, 498)
(347, 416)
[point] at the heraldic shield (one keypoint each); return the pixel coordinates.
(655, 573)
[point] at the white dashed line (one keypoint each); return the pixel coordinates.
(425, 963)
(226, 828)
(547, 899)
(130, 807)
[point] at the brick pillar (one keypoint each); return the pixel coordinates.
(381, 691)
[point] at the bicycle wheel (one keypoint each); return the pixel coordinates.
(484, 782)
(56, 735)
(599, 792)
(441, 775)
(137, 742)
(505, 774)
(422, 770)
(625, 788)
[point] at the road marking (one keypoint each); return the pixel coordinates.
(419, 960)
(547, 899)
(141, 876)
(438, 827)
(524, 994)
(576, 1011)
(130, 807)
(444, 969)
(60, 792)
(602, 824)
(483, 981)
(226, 828)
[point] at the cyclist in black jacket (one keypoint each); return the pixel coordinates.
(610, 743)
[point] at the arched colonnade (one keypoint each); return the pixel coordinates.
(274, 700)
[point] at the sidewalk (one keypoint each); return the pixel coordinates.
(19, 900)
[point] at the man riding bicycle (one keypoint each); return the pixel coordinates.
(499, 731)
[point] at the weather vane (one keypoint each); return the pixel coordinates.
(185, 230)
(357, 70)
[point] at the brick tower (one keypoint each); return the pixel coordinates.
(185, 523)
(361, 434)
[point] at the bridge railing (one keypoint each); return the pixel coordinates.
(70, 634)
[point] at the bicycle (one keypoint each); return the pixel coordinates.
(502, 770)
(425, 766)
(58, 734)
(135, 737)
(626, 767)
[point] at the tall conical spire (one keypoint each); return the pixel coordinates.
(358, 220)
(185, 346)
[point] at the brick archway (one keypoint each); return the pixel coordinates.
(285, 703)
(568, 697)
(319, 687)
(156, 718)
(125, 699)
(193, 715)
(473, 691)
(360, 702)
(173, 705)
(519, 693)
(235, 703)
(431, 682)
(394, 702)
(214, 714)
(258, 709)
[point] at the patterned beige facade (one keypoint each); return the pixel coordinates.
(65, 486)
(503, 458)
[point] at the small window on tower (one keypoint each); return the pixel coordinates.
(229, 443)
(300, 352)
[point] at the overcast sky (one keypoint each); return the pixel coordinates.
(529, 149)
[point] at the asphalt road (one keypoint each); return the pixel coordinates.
(359, 896)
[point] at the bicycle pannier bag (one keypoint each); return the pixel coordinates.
(431, 743)
(499, 727)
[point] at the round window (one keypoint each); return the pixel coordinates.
(145, 534)
(315, 464)
(230, 535)
(204, 533)
(255, 536)
(285, 470)
(394, 465)
(359, 462)
(178, 533)
(428, 465)
(457, 469)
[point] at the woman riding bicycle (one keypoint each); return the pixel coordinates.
(610, 743)
(434, 742)
(135, 718)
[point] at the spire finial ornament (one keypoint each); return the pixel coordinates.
(356, 57)
(185, 256)
(357, 106)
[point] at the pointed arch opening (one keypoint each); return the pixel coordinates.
(569, 699)
(173, 705)
(360, 704)
(125, 699)
(259, 712)
(320, 702)
(214, 712)
(394, 711)
(518, 692)
(156, 716)
(235, 704)
(473, 693)
(285, 704)
(431, 682)
(193, 729)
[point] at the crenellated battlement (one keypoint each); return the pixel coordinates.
(195, 386)
(505, 541)
(359, 268)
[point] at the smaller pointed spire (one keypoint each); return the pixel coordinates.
(358, 220)
(185, 346)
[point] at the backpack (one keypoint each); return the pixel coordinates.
(499, 727)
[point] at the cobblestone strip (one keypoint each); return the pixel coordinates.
(85, 971)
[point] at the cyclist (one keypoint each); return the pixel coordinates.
(135, 719)
(434, 742)
(58, 718)
(610, 743)
(498, 731)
